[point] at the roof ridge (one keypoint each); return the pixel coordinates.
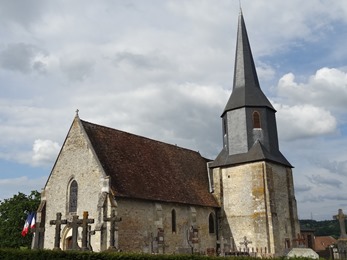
(142, 137)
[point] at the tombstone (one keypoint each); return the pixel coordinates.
(302, 253)
(57, 222)
(113, 219)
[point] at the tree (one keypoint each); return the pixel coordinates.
(13, 213)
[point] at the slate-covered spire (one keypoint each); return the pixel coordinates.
(249, 121)
(246, 89)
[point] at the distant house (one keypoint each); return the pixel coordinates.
(323, 242)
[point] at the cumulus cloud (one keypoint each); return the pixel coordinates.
(23, 57)
(326, 88)
(301, 121)
(44, 152)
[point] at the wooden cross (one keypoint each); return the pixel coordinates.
(341, 218)
(85, 231)
(113, 219)
(57, 222)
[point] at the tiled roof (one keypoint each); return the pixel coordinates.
(257, 153)
(322, 242)
(143, 168)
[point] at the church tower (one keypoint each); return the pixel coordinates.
(251, 178)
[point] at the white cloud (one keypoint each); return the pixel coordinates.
(45, 152)
(302, 121)
(326, 88)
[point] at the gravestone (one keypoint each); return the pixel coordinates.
(299, 252)
(57, 222)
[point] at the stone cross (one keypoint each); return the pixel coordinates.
(39, 231)
(75, 224)
(57, 222)
(341, 218)
(245, 242)
(85, 232)
(113, 219)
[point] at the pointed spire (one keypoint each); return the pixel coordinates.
(246, 89)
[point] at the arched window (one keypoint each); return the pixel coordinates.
(211, 223)
(173, 221)
(256, 119)
(73, 194)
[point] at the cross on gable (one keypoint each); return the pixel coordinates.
(57, 222)
(113, 219)
(341, 218)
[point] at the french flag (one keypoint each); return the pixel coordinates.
(33, 221)
(27, 223)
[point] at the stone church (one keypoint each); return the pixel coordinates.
(113, 190)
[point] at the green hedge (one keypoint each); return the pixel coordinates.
(27, 254)
(15, 254)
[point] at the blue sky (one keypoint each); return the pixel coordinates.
(164, 70)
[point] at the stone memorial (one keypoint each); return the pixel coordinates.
(342, 240)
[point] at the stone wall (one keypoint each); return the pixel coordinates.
(257, 203)
(147, 227)
(76, 161)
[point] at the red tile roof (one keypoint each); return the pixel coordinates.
(322, 242)
(143, 168)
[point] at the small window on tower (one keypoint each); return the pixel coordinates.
(224, 126)
(256, 119)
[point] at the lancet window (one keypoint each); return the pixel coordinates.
(211, 223)
(73, 196)
(256, 119)
(173, 221)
